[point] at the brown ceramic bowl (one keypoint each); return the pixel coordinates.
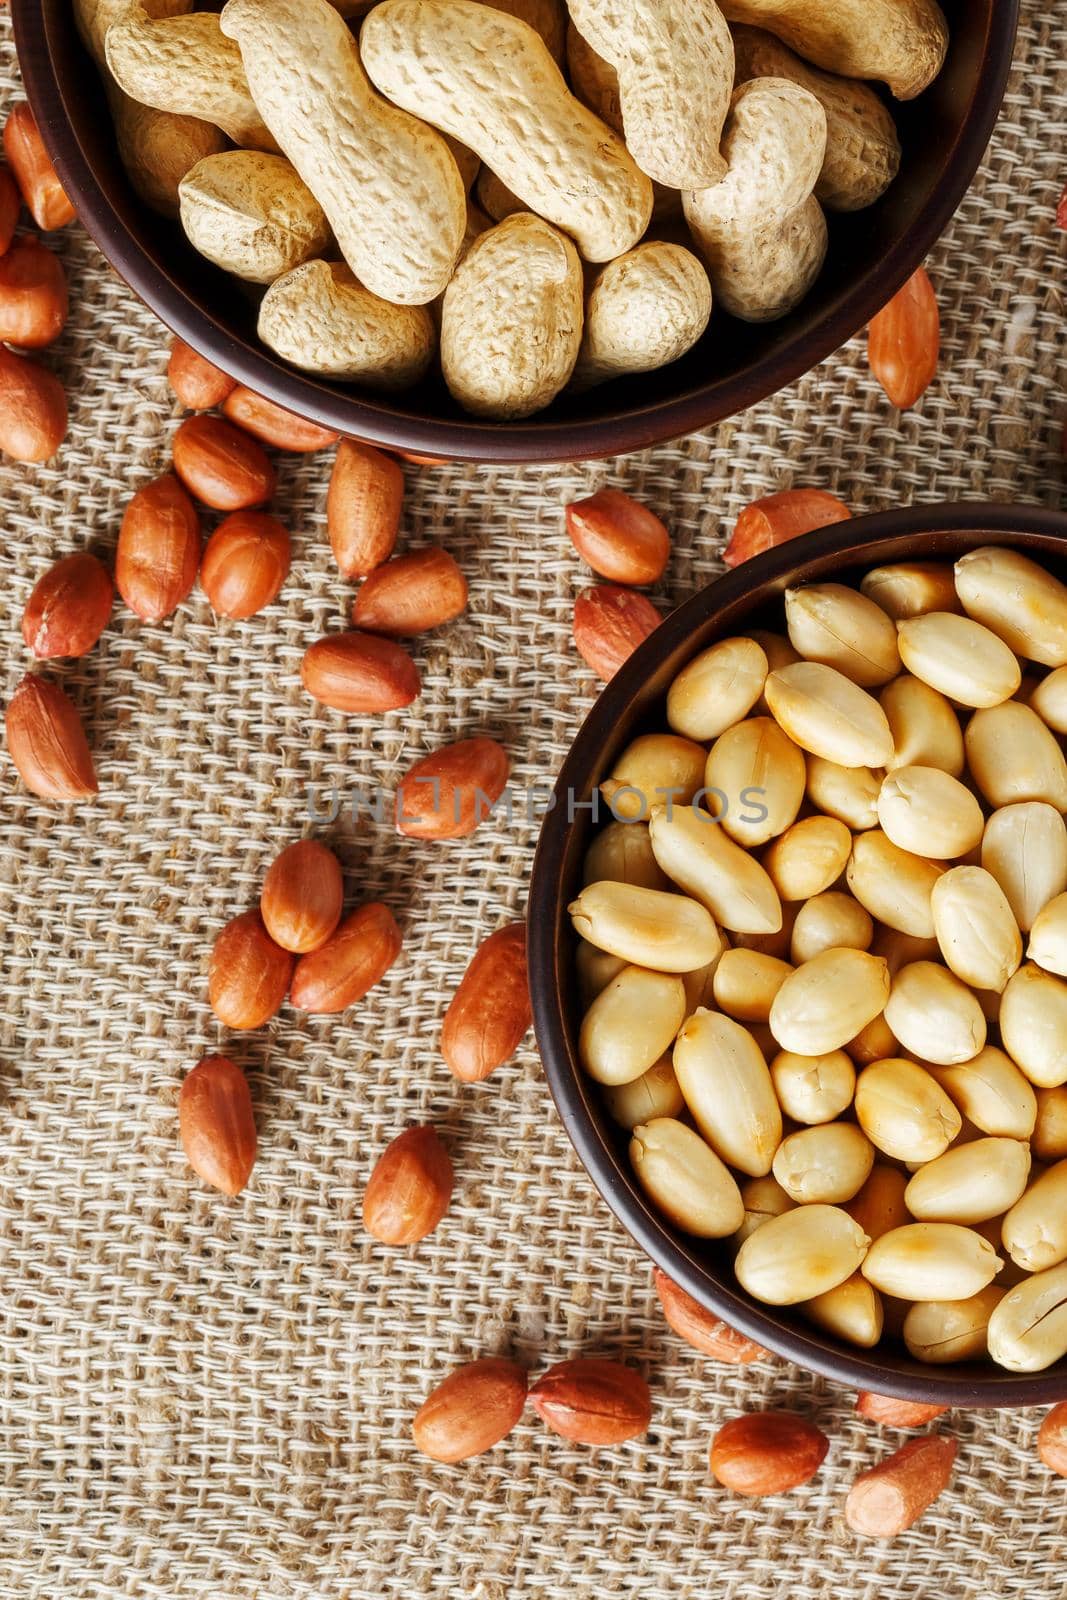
(944, 134)
(749, 597)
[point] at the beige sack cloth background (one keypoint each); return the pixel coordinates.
(211, 1399)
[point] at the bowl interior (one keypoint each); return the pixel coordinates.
(748, 598)
(943, 134)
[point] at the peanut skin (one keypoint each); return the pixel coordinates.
(389, 185)
(488, 79)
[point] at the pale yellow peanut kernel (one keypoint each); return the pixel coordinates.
(1025, 848)
(943, 1331)
(700, 858)
(831, 921)
(813, 1089)
(852, 1311)
(622, 853)
(926, 730)
(1022, 603)
(975, 929)
(911, 588)
(875, 1042)
(763, 1199)
(756, 776)
(826, 1164)
(655, 769)
(596, 968)
(992, 1093)
(894, 885)
(828, 1000)
(1049, 700)
(958, 657)
(1049, 1140)
(630, 1024)
(879, 1206)
(801, 1254)
(686, 1179)
(646, 928)
(849, 794)
(1028, 1329)
(654, 1094)
(904, 1111)
(926, 811)
(924, 1259)
(727, 1086)
(808, 857)
(717, 688)
(1033, 1025)
(832, 624)
(746, 982)
(1048, 937)
(828, 715)
(1013, 756)
(971, 1182)
(934, 1015)
(1034, 1231)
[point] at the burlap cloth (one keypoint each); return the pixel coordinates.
(212, 1398)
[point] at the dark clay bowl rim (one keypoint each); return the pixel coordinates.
(920, 532)
(614, 433)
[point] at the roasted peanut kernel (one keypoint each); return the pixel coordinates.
(746, 982)
(934, 1015)
(349, 964)
(927, 812)
(758, 777)
(727, 1087)
(622, 853)
(1049, 700)
(471, 1411)
(696, 854)
(887, 1499)
(667, 932)
(1013, 757)
(894, 885)
(763, 1198)
(630, 1024)
(830, 922)
(686, 1179)
(808, 857)
(717, 688)
(976, 932)
(1034, 1231)
(827, 714)
(654, 1094)
(1049, 1139)
(1025, 848)
(852, 1311)
(879, 1206)
(942, 1331)
(592, 1401)
(828, 1164)
(875, 1042)
(850, 794)
(246, 561)
(800, 1255)
(924, 1259)
(813, 1089)
(971, 1183)
(828, 1000)
(958, 657)
(69, 608)
(904, 1111)
(1033, 1025)
(832, 624)
(911, 588)
(926, 730)
(1022, 603)
(655, 769)
(1048, 937)
(1028, 1329)
(992, 1093)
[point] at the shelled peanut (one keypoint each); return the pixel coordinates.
(359, 139)
(823, 950)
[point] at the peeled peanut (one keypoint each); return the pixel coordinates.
(801, 1254)
(926, 730)
(852, 1311)
(727, 1087)
(992, 1093)
(656, 769)
(830, 922)
(925, 1259)
(763, 1198)
(1049, 1137)
(875, 1042)
(934, 1015)
(831, 623)
(958, 657)
(1020, 601)
(700, 984)
(940, 1331)
(879, 1206)
(911, 588)
(926, 811)
(971, 1183)
(757, 776)
(828, 1000)
(1014, 757)
(686, 1179)
(1025, 848)
(1049, 700)
(1048, 937)
(667, 932)
(827, 1164)
(900, 949)
(654, 1094)
(975, 929)
(630, 1025)
(894, 885)
(904, 1111)
(622, 853)
(1035, 1228)
(813, 1089)
(808, 857)
(827, 714)
(717, 688)
(779, 653)
(1033, 1025)
(746, 982)
(595, 968)
(1028, 1329)
(696, 854)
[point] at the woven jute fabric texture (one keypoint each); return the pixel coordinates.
(210, 1398)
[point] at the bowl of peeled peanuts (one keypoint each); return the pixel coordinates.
(798, 951)
(523, 229)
